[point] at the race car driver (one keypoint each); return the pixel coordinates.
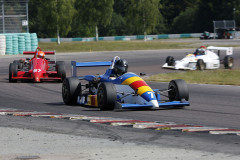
(121, 67)
(40, 54)
(200, 51)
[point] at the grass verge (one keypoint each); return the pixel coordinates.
(220, 77)
(111, 46)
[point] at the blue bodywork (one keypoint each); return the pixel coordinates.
(145, 100)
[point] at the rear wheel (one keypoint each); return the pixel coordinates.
(71, 89)
(178, 90)
(228, 62)
(106, 96)
(60, 67)
(200, 65)
(13, 69)
(170, 61)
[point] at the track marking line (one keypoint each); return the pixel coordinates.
(129, 123)
(230, 131)
(11, 112)
(116, 121)
(203, 129)
(154, 126)
(34, 114)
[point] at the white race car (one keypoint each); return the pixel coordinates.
(202, 58)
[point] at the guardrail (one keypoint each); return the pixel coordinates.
(124, 38)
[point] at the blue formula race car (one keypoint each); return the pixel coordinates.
(119, 89)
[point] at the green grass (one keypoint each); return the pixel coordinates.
(123, 45)
(111, 46)
(221, 77)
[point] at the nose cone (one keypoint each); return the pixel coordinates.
(36, 77)
(155, 103)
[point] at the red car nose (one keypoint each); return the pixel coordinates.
(36, 77)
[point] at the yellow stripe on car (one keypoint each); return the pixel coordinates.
(144, 89)
(131, 80)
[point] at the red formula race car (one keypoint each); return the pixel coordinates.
(38, 69)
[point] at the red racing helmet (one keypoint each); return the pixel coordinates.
(40, 54)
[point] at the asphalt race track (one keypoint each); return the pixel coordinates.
(211, 105)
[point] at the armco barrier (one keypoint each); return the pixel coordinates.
(16, 43)
(120, 38)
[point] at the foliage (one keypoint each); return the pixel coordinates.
(78, 18)
(115, 28)
(143, 16)
(172, 9)
(93, 13)
(65, 10)
(185, 21)
(52, 15)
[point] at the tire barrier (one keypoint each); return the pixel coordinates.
(34, 41)
(9, 44)
(21, 44)
(16, 43)
(2, 45)
(27, 42)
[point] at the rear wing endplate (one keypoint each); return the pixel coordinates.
(87, 64)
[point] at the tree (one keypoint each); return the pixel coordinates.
(172, 8)
(94, 13)
(143, 16)
(65, 10)
(117, 27)
(236, 13)
(184, 23)
(213, 10)
(34, 22)
(52, 15)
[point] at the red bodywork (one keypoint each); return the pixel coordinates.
(38, 69)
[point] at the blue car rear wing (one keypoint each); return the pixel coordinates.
(87, 64)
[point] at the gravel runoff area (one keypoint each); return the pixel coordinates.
(24, 144)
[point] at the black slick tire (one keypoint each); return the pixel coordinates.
(178, 90)
(13, 69)
(170, 61)
(228, 62)
(106, 96)
(19, 64)
(201, 65)
(61, 71)
(71, 89)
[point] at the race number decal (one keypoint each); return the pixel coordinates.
(151, 94)
(37, 70)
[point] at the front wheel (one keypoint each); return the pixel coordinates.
(71, 89)
(178, 90)
(200, 65)
(170, 61)
(13, 70)
(106, 96)
(19, 63)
